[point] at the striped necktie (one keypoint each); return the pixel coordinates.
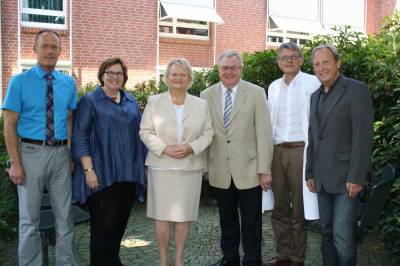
(49, 110)
(228, 108)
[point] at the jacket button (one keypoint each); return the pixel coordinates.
(228, 141)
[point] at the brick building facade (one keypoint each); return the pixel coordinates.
(94, 30)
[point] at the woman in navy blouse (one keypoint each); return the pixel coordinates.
(109, 159)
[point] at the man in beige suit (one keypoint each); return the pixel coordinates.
(240, 155)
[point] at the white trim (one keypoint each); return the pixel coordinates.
(173, 10)
(70, 34)
(19, 38)
(158, 46)
(63, 65)
(175, 24)
(44, 12)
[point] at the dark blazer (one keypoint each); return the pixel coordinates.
(340, 143)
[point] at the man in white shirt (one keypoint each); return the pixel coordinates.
(289, 105)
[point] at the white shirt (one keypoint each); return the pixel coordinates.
(179, 118)
(223, 95)
(289, 106)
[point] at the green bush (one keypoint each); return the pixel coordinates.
(8, 202)
(376, 61)
(261, 68)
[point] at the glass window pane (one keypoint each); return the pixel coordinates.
(56, 5)
(167, 29)
(190, 31)
(192, 21)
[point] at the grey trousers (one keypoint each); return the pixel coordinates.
(50, 166)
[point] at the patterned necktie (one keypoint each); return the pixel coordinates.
(49, 110)
(228, 108)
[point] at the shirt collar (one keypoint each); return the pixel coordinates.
(224, 89)
(101, 95)
(41, 74)
(322, 88)
(294, 80)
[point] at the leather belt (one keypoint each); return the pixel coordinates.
(47, 143)
(291, 145)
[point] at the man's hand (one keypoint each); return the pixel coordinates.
(91, 180)
(17, 173)
(178, 151)
(265, 181)
(353, 189)
(310, 185)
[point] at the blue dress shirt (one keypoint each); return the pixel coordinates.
(26, 95)
(109, 133)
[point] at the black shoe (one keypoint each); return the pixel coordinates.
(225, 262)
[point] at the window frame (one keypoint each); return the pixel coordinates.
(63, 66)
(176, 24)
(44, 12)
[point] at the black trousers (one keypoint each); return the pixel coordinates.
(248, 201)
(109, 213)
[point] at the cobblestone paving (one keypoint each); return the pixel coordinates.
(202, 248)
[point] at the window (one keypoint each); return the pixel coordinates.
(183, 28)
(187, 18)
(62, 66)
(44, 13)
(275, 39)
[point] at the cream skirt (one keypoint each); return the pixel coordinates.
(173, 195)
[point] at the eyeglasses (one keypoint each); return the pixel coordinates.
(226, 68)
(115, 74)
(288, 58)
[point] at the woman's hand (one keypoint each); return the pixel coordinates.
(91, 180)
(178, 151)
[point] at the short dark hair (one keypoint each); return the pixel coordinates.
(291, 46)
(109, 62)
(41, 32)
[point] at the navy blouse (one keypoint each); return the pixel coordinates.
(109, 133)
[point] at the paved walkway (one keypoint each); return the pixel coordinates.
(139, 247)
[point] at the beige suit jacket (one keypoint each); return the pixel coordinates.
(158, 129)
(245, 150)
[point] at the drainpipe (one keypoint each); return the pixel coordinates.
(70, 35)
(19, 38)
(158, 45)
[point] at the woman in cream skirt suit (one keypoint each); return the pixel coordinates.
(176, 127)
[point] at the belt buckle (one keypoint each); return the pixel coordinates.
(51, 143)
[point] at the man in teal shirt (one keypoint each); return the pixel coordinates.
(38, 113)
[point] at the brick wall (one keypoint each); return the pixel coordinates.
(245, 25)
(27, 37)
(9, 40)
(376, 11)
(198, 52)
(128, 29)
(123, 28)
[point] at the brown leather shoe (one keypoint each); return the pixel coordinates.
(275, 261)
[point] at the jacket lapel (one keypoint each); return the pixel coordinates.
(216, 101)
(187, 110)
(169, 106)
(239, 100)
